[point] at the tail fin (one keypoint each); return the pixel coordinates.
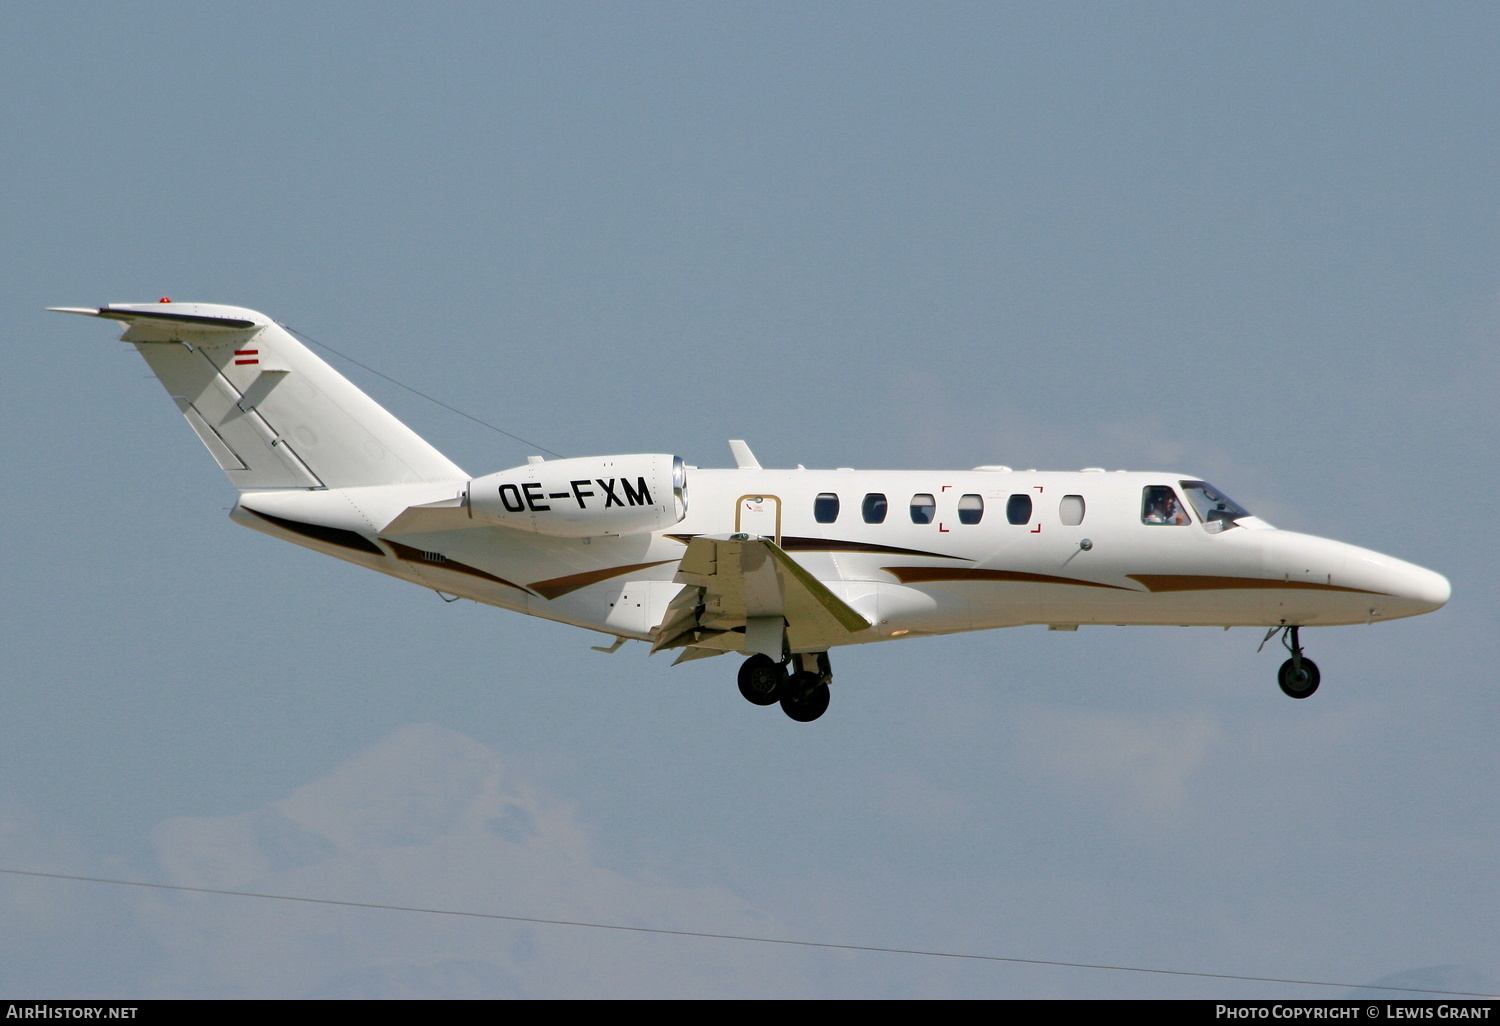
(271, 412)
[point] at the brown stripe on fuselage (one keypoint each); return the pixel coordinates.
(796, 544)
(839, 545)
(318, 532)
(551, 589)
(924, 574)
(1199, 582)
(409, 554)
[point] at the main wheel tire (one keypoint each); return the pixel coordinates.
(761, 680)
(1298, 684)
(805, 698)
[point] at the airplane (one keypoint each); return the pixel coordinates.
(779, 566)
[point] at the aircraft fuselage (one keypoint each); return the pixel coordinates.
(956, 570)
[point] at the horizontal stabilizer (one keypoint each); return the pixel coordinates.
(133, 313)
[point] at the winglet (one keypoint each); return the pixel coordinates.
(743, 457)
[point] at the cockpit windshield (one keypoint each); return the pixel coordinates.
(1217, 511)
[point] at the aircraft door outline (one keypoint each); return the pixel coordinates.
(755, 505)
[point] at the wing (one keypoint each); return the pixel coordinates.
(743, 594)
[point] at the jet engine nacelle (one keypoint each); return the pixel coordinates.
(585, 497)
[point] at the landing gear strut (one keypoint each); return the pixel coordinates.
(803, 694)
(1299, 675)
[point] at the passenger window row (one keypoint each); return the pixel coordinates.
(923, 508)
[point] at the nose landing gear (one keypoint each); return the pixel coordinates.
(1299, 675)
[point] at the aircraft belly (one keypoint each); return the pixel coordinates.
(638, 606)
(935, 609)
(341, 545)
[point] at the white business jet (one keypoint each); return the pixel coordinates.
(780, 566)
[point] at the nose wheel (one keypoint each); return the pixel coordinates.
(1298, 681)
(1299, 675)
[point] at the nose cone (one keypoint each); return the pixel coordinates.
(1423, 589)
(1332, 582)
(1410, 589)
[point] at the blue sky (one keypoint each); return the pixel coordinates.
(1256, 243)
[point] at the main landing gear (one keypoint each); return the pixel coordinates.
(803, 693)
(1299, 675)
(761, 678)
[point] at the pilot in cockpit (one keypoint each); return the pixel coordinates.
(1161, 507)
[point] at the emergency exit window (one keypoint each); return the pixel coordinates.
(923, 507)
(1018, 509)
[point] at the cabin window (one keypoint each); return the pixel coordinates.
(826, 508)
(923, 507)
(970, 509)
(874, 508)
(1070, 510)
(1160, 505)
(1018, 510)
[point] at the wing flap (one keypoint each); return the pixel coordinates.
(737, 591)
